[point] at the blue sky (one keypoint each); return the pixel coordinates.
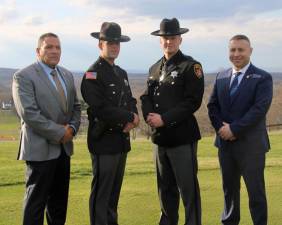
(211, 24)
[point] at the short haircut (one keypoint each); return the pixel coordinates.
(240, 37)
(43, 36)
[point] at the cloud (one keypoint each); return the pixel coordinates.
(34, 20)
(80, 2)
(8, 11)
(211, 25)
(185, 9)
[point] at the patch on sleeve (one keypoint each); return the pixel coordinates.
(198, 70)
(90, 75)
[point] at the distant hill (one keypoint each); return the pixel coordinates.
(138, 81)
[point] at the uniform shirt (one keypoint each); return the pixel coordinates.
(105, 88)
(175, 96)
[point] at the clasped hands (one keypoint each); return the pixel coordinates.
(130, 125)
(154, 120)
(225, 132)
(68, 136)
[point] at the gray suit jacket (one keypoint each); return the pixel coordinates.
(42, 117)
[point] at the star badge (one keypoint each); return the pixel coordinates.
(174, 74)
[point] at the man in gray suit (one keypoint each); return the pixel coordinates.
(46, 101)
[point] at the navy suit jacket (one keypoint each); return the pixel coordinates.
(245, 111)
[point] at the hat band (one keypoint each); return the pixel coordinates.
(109, 37)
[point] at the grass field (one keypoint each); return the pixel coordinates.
(9, 125)
(138, 203)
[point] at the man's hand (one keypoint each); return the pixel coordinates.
(130, 126)
(154, 120)
(225, 132)
(68, 136)
(136, 120)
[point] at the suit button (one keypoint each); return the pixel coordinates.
(158, 94)
(157, 105)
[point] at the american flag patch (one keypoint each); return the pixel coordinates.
(90, 75)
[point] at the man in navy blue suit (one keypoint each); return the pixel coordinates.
(237, 109)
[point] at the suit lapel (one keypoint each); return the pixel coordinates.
(226, 84)
(156, 72)
(48, 83)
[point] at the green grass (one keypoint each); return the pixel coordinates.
(138, 202)
(9, 124)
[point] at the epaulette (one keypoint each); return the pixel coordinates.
(188, 57)
(94, 67)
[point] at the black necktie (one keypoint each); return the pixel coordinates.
(163, 71)
(60, 89)
(234, 85)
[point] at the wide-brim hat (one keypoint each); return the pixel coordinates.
(110, 31)
(169, 27)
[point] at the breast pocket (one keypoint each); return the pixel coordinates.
(176, 87)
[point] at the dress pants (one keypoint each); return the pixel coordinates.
(47, 186)
(177, 176)
(235, 163)
(108, 172)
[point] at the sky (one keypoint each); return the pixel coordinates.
(211, 25)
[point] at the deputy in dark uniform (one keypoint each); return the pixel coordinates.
(174, 92)
(112, 113)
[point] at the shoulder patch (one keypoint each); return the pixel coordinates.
(198, 70)
(90, 75)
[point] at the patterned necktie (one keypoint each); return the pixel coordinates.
(60, 89)
(234, 85)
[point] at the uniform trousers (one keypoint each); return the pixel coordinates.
(108, 172)
(177, 176)
(234, 163)
(47, 186)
